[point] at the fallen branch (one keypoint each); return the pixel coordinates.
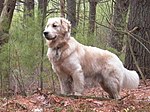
(136, 63)
(124, 97)
(84, 97)
(19, 105)
(15, 103)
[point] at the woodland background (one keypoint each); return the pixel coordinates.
(121, 26)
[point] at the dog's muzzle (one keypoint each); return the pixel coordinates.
(47, 36)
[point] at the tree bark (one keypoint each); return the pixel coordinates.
(118, 23)
(71, 14)
(84, 18)
(1, 5)
(42, 6)
(62, 8)
(29, 8)
(92, 15)
(78, 12)
(5, 20)
(139, 17)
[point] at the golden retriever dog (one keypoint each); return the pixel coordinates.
(74, 63)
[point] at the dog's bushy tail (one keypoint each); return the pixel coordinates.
(131, 79)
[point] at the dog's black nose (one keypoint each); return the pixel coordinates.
(45, 34)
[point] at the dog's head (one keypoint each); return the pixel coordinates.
(57, 28)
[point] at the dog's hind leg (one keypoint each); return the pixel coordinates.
(65, 84)
(112, 87)
(110, 82)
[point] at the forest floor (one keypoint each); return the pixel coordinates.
(137, 100)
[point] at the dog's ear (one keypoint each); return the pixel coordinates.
(65, 25)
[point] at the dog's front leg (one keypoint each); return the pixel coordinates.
(65, 84)
(78, 82)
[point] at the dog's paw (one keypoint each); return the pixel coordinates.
(77, 94)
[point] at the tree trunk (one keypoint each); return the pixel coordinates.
(62, 8)
(42, 6)
(92, 15)
(5, 20)
(78, 12)
(29, 8)
(28, 16)
(139, 17)
(1, 5)
(71, 14)
(84, 18)
(118, 23)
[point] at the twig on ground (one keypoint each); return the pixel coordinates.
(124, 97)
(84, 97)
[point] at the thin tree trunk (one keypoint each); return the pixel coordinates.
(1, 5)
(42, 5)
(29, 8)
(118, 23)
(84, 18)
(139, 20)
(71, 14)
(28, 15)
(92, 15)
(78, 11)
(5, 20)
(62, 8)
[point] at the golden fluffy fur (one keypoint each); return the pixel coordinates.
(74, 62)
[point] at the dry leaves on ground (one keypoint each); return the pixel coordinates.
(137, 100)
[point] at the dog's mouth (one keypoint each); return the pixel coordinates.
(50, 38)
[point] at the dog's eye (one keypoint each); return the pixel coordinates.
(54, 25)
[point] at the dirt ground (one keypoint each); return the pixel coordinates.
(93, 100)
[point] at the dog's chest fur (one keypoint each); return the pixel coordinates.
(54, 54)
(57, 54)
(58, 57)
